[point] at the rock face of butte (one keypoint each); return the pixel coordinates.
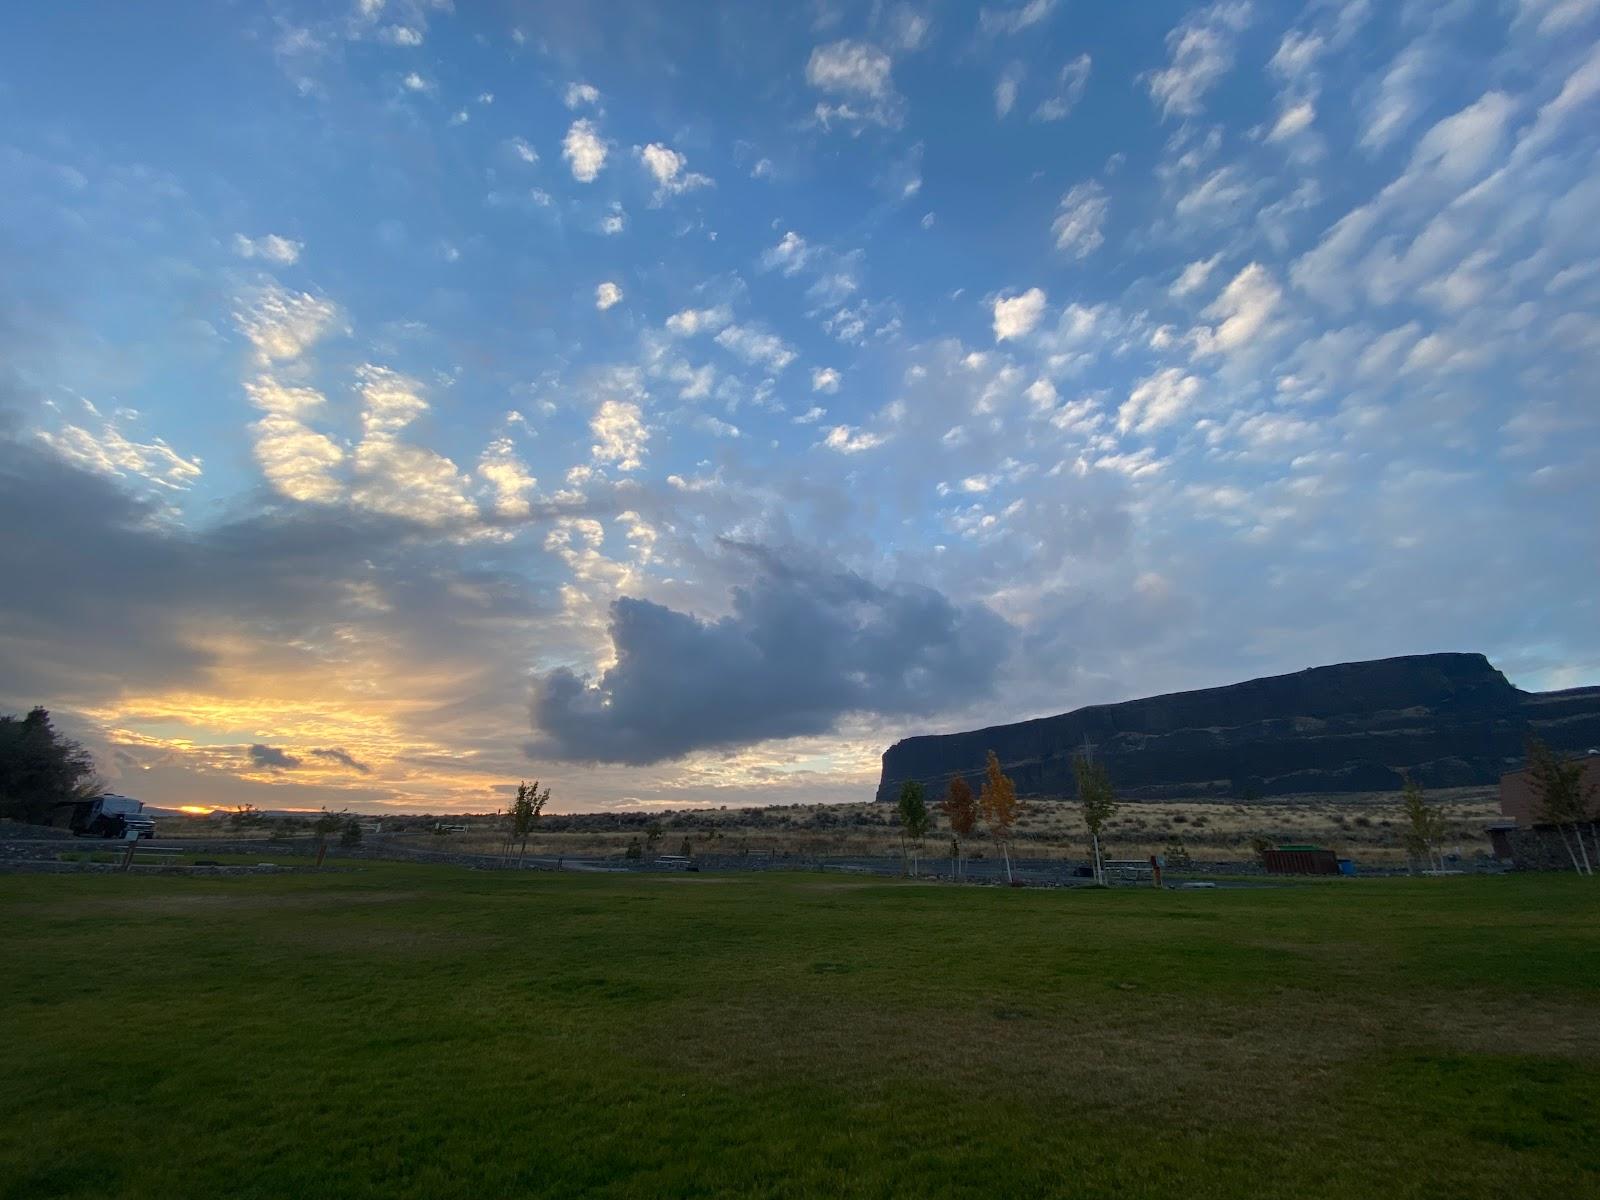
(1448, 720)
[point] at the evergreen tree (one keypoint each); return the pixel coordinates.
(39, 768)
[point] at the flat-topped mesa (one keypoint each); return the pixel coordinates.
(1448, 720)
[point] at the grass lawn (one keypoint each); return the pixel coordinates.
(426, 1031)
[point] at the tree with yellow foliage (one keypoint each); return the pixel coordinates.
(997, 800)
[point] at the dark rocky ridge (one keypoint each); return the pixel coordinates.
(1450, 720)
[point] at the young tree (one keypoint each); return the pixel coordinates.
(1098, 802)
(326, 823)
(1424, 825)
(1564, 801)
(350, 835)
(652, 835)
(961, 810)
(997, 800)
(914, 820)
(525, 810)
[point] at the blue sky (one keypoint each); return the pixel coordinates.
(681, 403)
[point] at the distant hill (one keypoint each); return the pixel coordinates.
(1450, 720)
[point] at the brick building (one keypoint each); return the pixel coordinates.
(1521, 837)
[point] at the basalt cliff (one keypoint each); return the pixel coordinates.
(1447, 720)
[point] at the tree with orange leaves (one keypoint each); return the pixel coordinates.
(961, 810)
(998, 802)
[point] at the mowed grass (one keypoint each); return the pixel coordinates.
(420, 1031)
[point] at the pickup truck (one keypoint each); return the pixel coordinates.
(111, 816)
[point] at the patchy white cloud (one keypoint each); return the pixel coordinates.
(606, 295)
(1071, 82)
(272, 248)
(1193, 277)
(1460, 147)
(1244, 312)
(690, 321)
(906, 29)
(284, 324)
(414, 82)
(615, 221)
(522, 151)
(620, 434)
(825, 379)
(1157, 400)
(859, 73)
(790, 255)
(405, 36)
(584, 150)
(1014, 18)
(580, 95)
(1216, 201)
(1400, 98)
(1200, 52)
(395, 477)
(1016, 316)
(504, 471)
(1293, 120)
(851, 67)
(1006, 89)
(296, 460)
(1554, 17)
(1296, 56)
(111, 452)
(1079, 223)
(669, 170)
(757, 346)
(847, 439)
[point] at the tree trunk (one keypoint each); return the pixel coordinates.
(1099, 868)
(1562, 830)
(1583, 851)
(1005, 849)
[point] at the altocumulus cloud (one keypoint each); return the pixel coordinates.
(802, 647)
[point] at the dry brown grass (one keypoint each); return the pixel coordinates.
(1367, 826)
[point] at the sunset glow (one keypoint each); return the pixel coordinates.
(404, 400)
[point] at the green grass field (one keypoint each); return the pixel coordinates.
(421, 1031)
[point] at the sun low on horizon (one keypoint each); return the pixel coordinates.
(680, 404)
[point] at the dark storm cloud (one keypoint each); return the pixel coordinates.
(802, 648)
(344, 758)
(272, 758)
